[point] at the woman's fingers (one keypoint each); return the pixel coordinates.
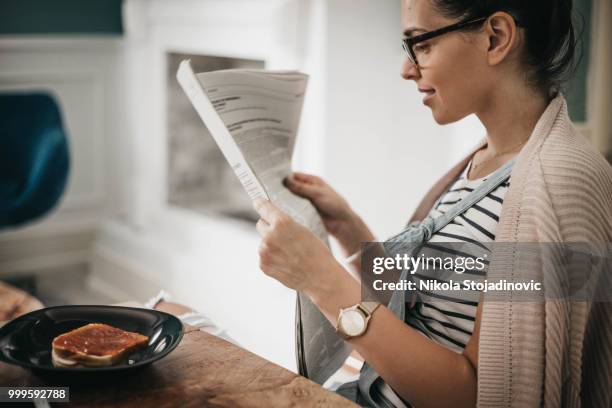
(267, 210)
(262, 227)
(305, 190)
(304, 177)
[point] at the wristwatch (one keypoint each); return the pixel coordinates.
(353, 321)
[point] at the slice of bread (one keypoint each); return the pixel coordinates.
(95, 345)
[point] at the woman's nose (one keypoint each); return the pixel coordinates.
(409, 70)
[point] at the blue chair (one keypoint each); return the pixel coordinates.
(34, 157)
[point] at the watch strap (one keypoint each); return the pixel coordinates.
(369, 307)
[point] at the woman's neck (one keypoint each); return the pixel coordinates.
(509, 116)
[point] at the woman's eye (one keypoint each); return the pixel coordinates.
(421, 47)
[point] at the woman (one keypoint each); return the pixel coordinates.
(503, 61)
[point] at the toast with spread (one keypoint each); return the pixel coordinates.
(95, 345)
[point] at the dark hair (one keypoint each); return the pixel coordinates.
(550, 40)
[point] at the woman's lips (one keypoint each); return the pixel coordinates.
(429, 94)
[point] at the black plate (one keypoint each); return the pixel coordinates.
(26, 341)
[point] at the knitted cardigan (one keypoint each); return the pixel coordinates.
(553, 353)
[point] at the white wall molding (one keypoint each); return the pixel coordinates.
(29, 255)
(119, 277)
(34, 43)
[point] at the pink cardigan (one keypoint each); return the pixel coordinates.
(548, 353)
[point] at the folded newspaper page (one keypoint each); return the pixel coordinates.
(254, 115)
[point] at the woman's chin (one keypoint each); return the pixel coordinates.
(443, 116)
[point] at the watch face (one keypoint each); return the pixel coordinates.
(352, 322)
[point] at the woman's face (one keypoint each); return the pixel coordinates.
(453, 73)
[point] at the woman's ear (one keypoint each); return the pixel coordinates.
(502, 34)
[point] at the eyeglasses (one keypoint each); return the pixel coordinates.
(409, 43)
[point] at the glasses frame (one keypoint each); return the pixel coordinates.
(409, 42)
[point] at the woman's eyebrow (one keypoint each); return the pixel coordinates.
(409, 32)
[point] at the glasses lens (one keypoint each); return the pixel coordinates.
(406, 48)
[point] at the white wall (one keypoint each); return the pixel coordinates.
(599, 102)
(381, 146)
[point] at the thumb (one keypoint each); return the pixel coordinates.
(266, 210)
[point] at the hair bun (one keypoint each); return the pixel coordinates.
(550, 39)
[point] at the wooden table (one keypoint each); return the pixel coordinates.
(203, 371)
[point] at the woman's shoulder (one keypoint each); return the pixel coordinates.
(569, 157)
(578, 182)
(562, 148)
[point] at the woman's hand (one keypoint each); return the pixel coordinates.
(293, 255)
(339, 219)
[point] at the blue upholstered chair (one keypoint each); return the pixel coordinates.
(34, 157)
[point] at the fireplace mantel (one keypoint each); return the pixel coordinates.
(156, 27)
(206, 261)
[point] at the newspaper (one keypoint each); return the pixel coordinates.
(253, 115)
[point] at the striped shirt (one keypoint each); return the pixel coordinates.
(448, 317)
